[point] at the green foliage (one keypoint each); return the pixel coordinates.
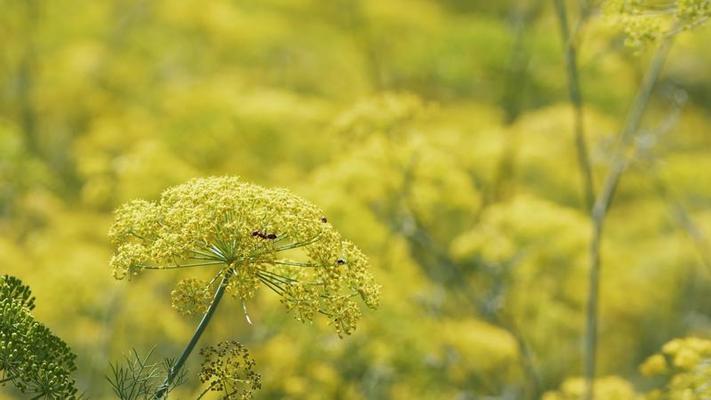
(139, 379)
(12, 290)
(31, 358)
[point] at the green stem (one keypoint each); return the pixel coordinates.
(26, 81)
(533, 388)
(576, 100)
(513, 98)
(602, 205)
(175, 370)
(204, 392)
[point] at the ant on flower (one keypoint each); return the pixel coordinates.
(270, 236)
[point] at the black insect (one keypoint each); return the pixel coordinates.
(340, 261)
(270, 236)
(324, 219)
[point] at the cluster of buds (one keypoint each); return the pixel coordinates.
(31, 357)
(228, 368)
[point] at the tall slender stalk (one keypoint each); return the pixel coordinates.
(602, 204)
(513, 99)
(533, 385)
(175, 370)
(26, 80)
(576, 98)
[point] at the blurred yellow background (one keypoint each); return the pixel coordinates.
(437, 135)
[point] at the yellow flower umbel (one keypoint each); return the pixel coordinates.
(647, 21)
(251, 236)
(685, 368)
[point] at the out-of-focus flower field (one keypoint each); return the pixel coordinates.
(462, 145)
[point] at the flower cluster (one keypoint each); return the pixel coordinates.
(228, 368)
(191, 296)
(644, 21)
(606, 388)
(383, 114)
(686, 363)
(31, 357)
(252, 236)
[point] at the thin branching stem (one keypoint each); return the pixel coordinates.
(296, 245)
(514, 99)
(178, 266)
(204, 392)
(175, 370)
(602, 204)
(683, 219)
(273, 280)
(208, 256)
(576, 99)
(271, 285)
(280, 277)
(294, 263)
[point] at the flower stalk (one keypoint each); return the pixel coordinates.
(206, 318)
(576, 98)
(602, 205)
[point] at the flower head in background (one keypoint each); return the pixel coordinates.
(684, 364)
(647, 21)
(385, 114)
(253, 236)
